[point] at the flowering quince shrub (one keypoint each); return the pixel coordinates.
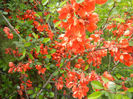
(69, 49)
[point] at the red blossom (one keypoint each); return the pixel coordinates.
(108, 76)
(59, 83)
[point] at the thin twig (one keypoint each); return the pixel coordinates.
(68, 60)
(109, 62)
(104, 26)
(44, 86)
(10, 25)
(26, 90)
(115, 66)
(3, 73)
(55, 91)
(10, 95)
(125, 67)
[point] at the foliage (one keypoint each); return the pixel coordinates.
(66, 49)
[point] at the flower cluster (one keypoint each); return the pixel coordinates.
(40, 69)
(19, 68)
(79, 81)
(8, 33)
(120, 48)
(11, 51)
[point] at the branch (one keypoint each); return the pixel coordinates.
(44, 86)
(1, 72)
(68, 60)
(126, 67)
(109, 62)
(25, 89)
(55, 90)
(10, 25)
(10, 95)
(115, 66)
(103, 27)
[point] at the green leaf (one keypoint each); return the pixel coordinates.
(37, 15)
(47, 67)
(118, 87)
(55, 73)
(30, 22)
(37, 49)
(33, 96)
(86, 67)
(40, 13)
(50, 5)
(35, 35)
(130, 89)
(95, 95)
(30, 91)
(38, 63)
(97, 85)
(45, 40)
(105, 79)
(119, 20)
(109, 95)
(27, 44)
(57, 23)
(118, 76)
(44, 2)
(31, 65)
(118, 96)
(24, 53)
(37, 89)
(51, 94)
(5, 13)
(62, 71)
(48, 56)
(79, 1)
(62, 62)
(52, 51)
(47, 17)
(48, 86)
(131, 43)
(125, 97)
(31, 0)
(41, 96)
(62, 3)
(30, 55)
(17, 27)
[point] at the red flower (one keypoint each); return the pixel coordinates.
(78, 65)
(6, 30)
(10, 36)
(108, 76)
(40, 69)
(131, 75)
(41, 46)
(10, 70)
(11, 64)
(59, 83)
(17, 31)
(40, 28)
(43, 51)
(80, 91)
(124, 43)
(29, 83)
